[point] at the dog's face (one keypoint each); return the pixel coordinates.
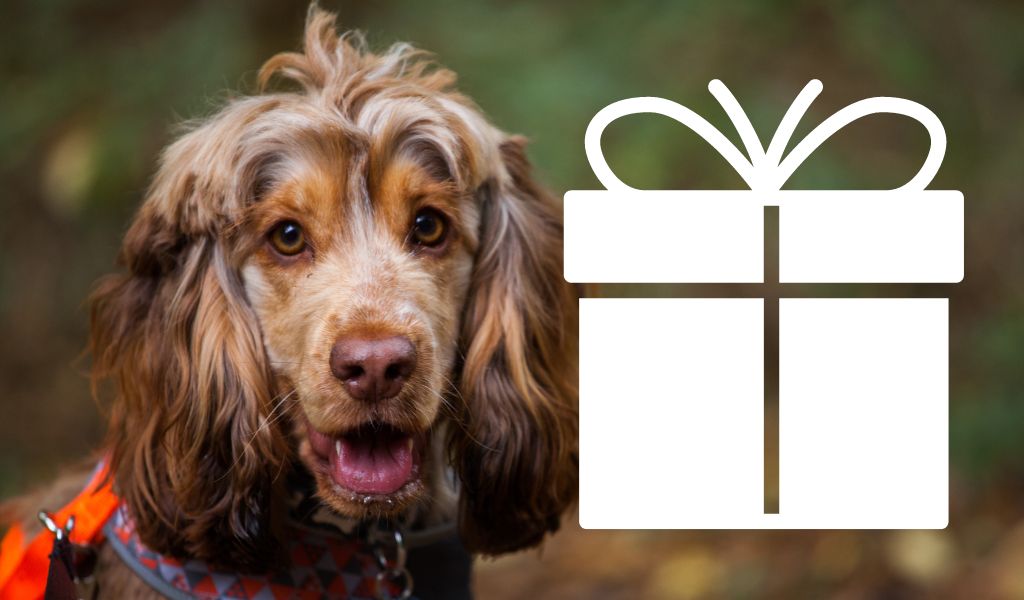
(361, 278)
(358, 273)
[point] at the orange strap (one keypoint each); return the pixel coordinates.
(23, 566)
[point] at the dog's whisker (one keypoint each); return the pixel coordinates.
(271, 418)
(446, 402)
(454, 388)
(265, 423)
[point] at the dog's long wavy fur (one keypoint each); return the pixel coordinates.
(199, 440)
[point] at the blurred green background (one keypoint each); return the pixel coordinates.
(92, 90)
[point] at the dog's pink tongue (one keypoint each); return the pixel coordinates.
(370, 464)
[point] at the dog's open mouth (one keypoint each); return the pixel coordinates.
(375, 458)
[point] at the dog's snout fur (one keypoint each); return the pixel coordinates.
(373, 369)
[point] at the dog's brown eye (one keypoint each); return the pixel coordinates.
(429, 228)
(287, 238)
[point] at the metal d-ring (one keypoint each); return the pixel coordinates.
(400, 577)
(392, 570)
(60, 532)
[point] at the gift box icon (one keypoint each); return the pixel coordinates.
(672, 390)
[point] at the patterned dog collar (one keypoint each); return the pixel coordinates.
(322, 565)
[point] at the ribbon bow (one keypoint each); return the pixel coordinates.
(765, 171)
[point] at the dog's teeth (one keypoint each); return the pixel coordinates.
(337, 448)
(367, 500)
(408, 444)
(389, 502)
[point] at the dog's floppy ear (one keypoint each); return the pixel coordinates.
(192, 451)
(515, 443)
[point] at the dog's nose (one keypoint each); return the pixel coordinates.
(373, 369)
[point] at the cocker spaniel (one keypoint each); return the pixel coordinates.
(357, 279)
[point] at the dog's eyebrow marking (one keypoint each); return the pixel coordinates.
(427, 153)
(418, 128)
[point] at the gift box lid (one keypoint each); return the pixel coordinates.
(625, 235)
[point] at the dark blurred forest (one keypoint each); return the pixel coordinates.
(92, 91)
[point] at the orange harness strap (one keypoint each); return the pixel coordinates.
(24, 566)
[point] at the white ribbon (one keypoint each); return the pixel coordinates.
(765, 171)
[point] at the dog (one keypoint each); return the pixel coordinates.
(357, 280)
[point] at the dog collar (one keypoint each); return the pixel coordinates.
(354, 560)
(320, 565)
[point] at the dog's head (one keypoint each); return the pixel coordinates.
(347, 275)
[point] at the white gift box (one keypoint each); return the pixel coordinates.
(672, 390)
